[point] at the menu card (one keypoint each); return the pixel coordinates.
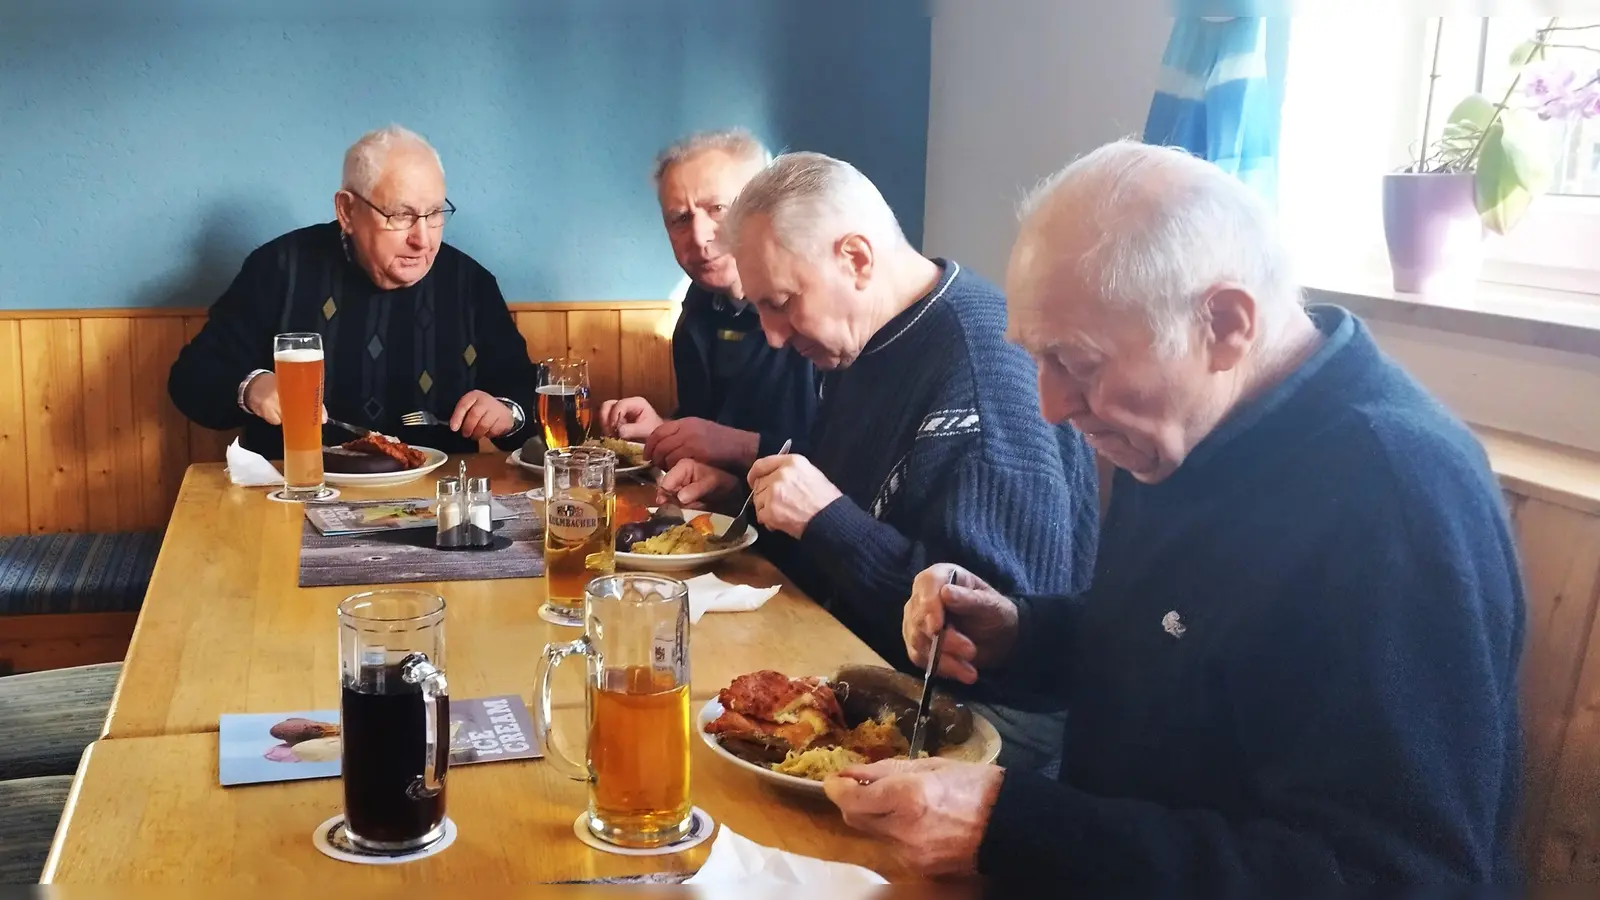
(253, 748)
(370, 516)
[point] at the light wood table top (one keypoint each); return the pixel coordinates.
(150, 810)
(225, 627)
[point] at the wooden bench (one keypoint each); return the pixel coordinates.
(71, 599)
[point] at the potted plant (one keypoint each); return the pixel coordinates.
(1490, 160)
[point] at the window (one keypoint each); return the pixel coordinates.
(1354, 108)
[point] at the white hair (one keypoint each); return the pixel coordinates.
(1167, 227)
(736, 142)
(364, 161)
(812, 200)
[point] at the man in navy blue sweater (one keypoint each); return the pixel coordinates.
(1297, 661)
(929, 443)
(738, 399)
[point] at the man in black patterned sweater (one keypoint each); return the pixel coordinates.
(928, 444)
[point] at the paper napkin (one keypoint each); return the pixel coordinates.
(739, 860)
(249, 469)
(708, 593)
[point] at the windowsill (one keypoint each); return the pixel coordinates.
(1554, 320)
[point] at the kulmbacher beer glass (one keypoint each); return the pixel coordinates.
(297, 361)
(564, 402)
(580, 486)
(636, 642)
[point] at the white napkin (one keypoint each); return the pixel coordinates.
(708, 593)
(250, 469)
(739, 860)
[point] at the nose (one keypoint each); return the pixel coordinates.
(417, 234)
(776, 330)
(704, 230)
(1060, 398)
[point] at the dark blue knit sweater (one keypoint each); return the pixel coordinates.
(934, 436)
(1298, 658)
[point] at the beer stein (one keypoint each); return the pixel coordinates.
(580, 488)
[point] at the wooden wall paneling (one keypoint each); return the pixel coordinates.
(545, 334)
(13, 439)
(645, 356)
(163, 431)
(205, 445)
(114, 472)
(597, 337)
(52, 407)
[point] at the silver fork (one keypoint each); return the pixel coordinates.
(420, 419)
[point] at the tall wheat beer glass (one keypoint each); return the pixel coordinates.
(297, 361)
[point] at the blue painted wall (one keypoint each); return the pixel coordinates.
(143, 155)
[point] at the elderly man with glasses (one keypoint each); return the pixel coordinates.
(408, 322)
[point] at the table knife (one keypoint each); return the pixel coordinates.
(356, 430)
(919, 731)
(735, 529)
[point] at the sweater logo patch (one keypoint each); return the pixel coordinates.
(1172, 624)
(890, 487)
(948, 422)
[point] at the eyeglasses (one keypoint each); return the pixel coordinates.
(408, 220)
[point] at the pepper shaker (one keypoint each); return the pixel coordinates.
(479, 522)
(450, 514)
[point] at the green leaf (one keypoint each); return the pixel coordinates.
(1476, 110)
(1502, 198)
(1527, 145)
(1527, 50)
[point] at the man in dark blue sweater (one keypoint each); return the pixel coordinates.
(1297, 661)
(738, 399)
(928, 445)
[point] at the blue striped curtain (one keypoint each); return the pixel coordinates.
(1221, 94)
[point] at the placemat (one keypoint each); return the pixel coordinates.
(399, 557)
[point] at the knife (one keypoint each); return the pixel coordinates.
(919, 731)
(356, 430)
(737, 527)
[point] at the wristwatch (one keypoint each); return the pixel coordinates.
(244, 387)
(518, 417)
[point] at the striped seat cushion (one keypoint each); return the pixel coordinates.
(47, 718)
(75, 573)
(29, 811)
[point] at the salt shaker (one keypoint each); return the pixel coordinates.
(450, 514)
(479, 522)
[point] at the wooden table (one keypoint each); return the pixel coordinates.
(150, 810)
(225, 627)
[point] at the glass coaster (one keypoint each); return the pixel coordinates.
(700, 829)
(331, 839)
(561, 617)
(323, 496)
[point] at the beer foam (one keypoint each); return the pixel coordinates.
(557, 390)
(297, 356)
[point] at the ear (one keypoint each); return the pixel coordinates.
(854, 251)
(341, 210)
(1230, 325)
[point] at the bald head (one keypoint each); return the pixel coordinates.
(365, 161)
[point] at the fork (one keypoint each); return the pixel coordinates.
(420, 419)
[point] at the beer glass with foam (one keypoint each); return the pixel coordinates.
(580, 486)
(564, 402)
(636, 644)
(297, 361)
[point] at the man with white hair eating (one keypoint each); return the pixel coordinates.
(1297, 660)
(928, 443)
(408, 322)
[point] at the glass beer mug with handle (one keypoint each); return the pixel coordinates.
(297, 361)
(580, 486)
(636, 643)
(394, 719)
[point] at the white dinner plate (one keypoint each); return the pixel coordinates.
(435, 459)
(982, 747)
(538, 467)
(678, 562)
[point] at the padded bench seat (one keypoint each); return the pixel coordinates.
(53, 574)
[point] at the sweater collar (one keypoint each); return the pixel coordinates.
(1343, 338)
(907, 318)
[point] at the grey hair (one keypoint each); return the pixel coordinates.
(733, 141)
(364, 161)
(1167, 227)
(811, 200)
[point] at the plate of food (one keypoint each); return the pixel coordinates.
(378, 460)
(795, 732)
(657, 540)
(630, 454)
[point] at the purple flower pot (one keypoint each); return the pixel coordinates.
(1434, 234)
